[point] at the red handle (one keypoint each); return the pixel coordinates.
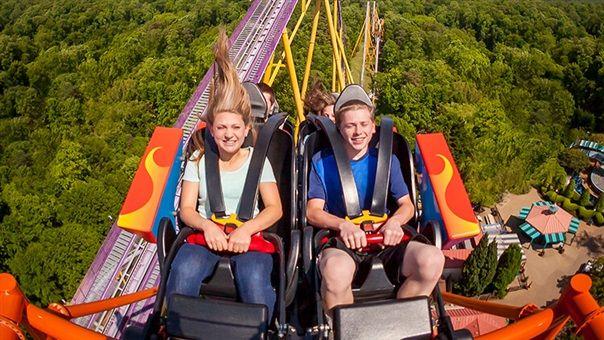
(374, 238)
(378, 238)
(258, 243)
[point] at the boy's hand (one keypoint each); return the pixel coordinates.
(393, 233)
(352, 235)
(239, 240)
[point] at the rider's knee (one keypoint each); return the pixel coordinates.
(428, 263)
(337, 272)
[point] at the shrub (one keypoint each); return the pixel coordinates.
(569, 189)
(600, 204)
(551, 195)
(585, 214)
(599, 218)
(507, 269)
(569, 206)
(597, 138)
(585, 199)
(479, 269)
(560, 199)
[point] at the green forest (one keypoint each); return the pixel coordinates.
(84, 83)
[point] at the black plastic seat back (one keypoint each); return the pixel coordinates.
(281, 156)
(371, 282)
(197, 318)
(221, 283)
(393, 319)
(401, 149)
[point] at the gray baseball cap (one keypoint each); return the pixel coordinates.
(352, 93)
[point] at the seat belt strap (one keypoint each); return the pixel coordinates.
(213, 184)
(249, 196)
(349, 187)
(382, 173)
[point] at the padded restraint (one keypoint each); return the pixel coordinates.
(252, 179)
(213, 185)
(196, 318)
(382, 174)
(349, 187)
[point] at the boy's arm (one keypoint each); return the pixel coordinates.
(393, 233)
(321, 218)
(405, 211)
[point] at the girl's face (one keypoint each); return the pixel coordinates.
(229, 131)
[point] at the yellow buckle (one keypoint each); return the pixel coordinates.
(230, 222)
(366, 218)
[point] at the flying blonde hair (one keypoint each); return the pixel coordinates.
(226, 92)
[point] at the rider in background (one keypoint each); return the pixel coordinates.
(416, 265)
(229, 120)
(269, 96)
(319, 101)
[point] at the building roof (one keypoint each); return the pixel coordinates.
(454, 258)
(478, 323)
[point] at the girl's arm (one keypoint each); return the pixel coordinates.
(214, 235)
(188, 206)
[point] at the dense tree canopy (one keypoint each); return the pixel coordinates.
(83, 84)
(573, 160)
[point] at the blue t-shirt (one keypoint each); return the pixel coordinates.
(324, 181)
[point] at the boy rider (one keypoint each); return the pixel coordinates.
(417, 265)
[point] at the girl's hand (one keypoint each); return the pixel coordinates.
(215, 237)
(239, 240)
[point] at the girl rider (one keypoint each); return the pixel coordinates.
(229, 119)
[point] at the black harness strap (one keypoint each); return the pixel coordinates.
(250, 188)
(382, 173)
(252, 179)
(349, 187)
(213, 184)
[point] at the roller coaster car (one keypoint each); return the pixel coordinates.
(375, 314)
(217, 314)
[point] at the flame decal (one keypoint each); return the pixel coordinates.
(457, 227)
(144, 215)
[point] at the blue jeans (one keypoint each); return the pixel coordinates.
(252, 271)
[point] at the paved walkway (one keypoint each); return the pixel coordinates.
(550, 272)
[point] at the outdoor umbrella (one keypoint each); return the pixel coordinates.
(547, 220)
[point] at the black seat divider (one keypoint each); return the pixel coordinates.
(222, 282)
(375, 282)
(197, 318)
(392, 319)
